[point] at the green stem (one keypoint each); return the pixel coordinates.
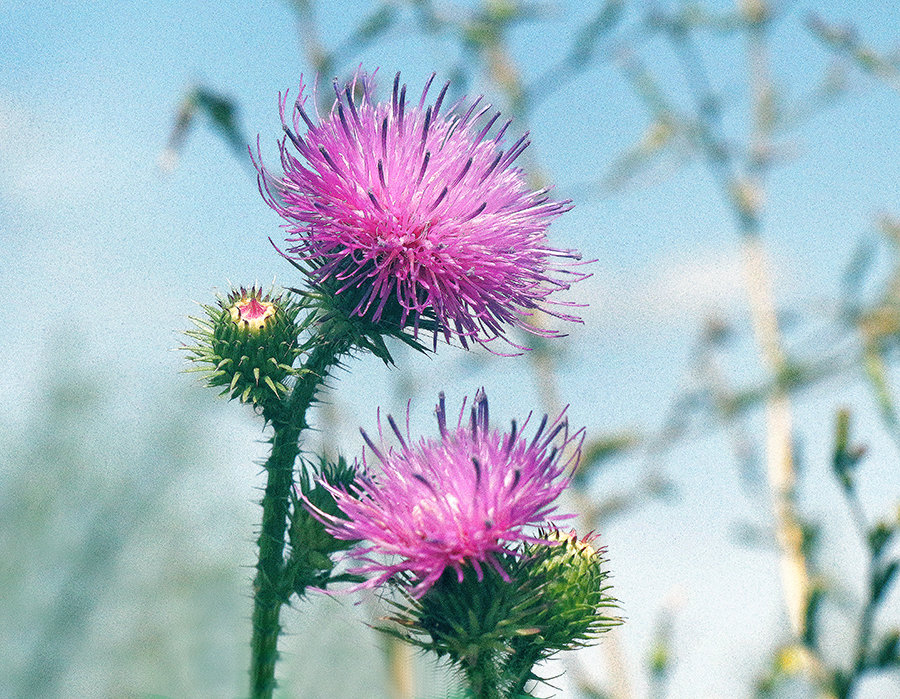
(483, 675)
(519, 672)
(867, 618)
(271, 589)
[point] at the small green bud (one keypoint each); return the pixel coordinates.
(572, 578)
(247, 343)
(306, 531)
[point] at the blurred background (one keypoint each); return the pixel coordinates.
(734, 168)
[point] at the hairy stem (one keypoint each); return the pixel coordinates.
(519, 671)
(271, 589)
(483, 675)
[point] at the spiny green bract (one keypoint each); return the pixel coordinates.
(454, 618)
(335, 318)
(247, 343)
(310, 563)
(555, 599)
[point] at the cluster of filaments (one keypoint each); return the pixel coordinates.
(416, 212)
(461, 500)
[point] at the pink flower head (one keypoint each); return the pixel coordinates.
(459, 500)
(416, 216)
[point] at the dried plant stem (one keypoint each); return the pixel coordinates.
(400, 669)
(503, 72)
(616, 664)
(743, 192)
(779, 442)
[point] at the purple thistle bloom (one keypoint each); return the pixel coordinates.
(460, 500)
(417, 216)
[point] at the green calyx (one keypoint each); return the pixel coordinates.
(338, 316)
(247, 343)
(475, 623)
(496, 629)
(456, 617)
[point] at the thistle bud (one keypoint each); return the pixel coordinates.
(247, 343)
(573, 589)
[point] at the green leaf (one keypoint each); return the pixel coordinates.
(881, 581)
(845, 458)
(600, 450)
(377, 23)
(876, 372)
(586, 40)
(887, 653)
(879, 537)
(222, 113)
(272, 386)
(346, 577)
(811, 614)
(857, 271)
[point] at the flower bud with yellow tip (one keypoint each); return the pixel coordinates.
(247, 343)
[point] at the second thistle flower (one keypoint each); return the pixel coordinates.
(463, 502)
(416, 216)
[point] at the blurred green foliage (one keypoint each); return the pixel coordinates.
(108, 588)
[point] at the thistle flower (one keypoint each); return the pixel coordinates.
(464, 500)
(414, 217)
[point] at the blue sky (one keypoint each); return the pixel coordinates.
(97, 241)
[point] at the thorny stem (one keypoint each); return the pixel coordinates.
(482, 675)
(519, 672)
(271, 588)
